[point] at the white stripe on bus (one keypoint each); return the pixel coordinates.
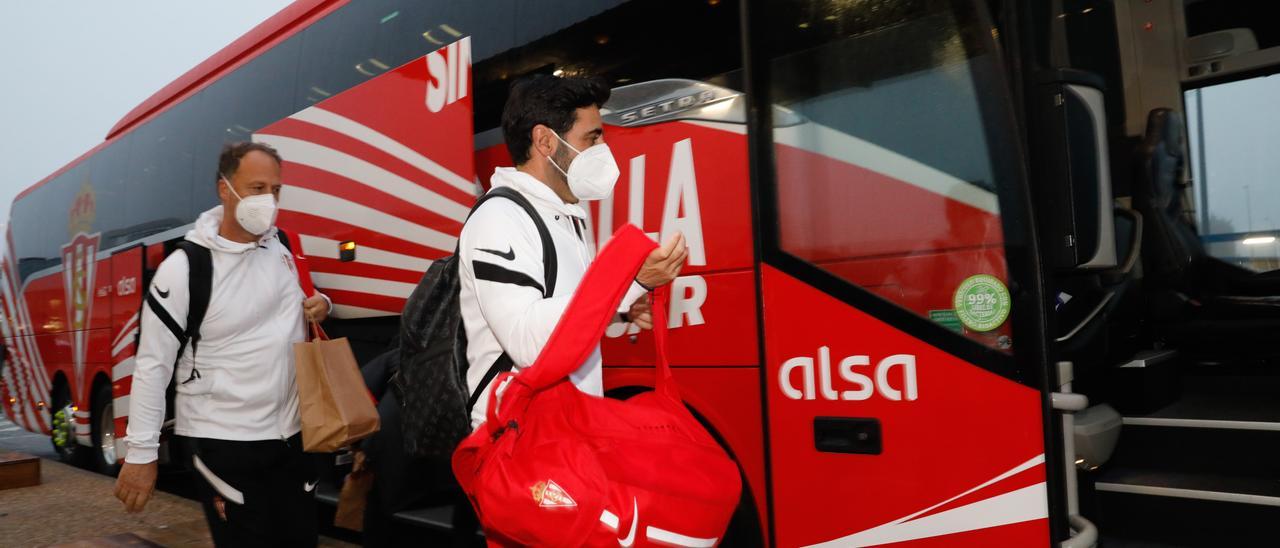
(349, 312)
(122, 370)
(121, 403)
(325, 206)
(372, 137)
(366, 173)
(846, 148)
(125, 332)
(315, 246)
(1017, 506)
(371, 286)
(124, 342)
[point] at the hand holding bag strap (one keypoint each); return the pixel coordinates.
(317, 332)
(594, 305)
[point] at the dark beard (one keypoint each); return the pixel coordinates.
(562, 160)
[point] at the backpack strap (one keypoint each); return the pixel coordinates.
(549, 268)
(549, 265)
(501, 365)
(284, 239)
(199, 289)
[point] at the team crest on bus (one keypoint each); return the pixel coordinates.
(83, 211)
(79, 264)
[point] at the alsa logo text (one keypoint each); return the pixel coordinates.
(449, 68)
(893, 378)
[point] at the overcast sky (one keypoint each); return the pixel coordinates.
(69, 70)
(1241, 164)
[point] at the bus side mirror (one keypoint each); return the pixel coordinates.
(1072, 172)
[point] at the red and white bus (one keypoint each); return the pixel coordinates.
(914, 227)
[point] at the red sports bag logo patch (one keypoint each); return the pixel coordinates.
(550, 495)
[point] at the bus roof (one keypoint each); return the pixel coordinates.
(274, 29)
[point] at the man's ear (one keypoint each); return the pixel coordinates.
(543, 141)
(223, 194)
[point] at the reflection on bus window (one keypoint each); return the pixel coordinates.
(889, 182)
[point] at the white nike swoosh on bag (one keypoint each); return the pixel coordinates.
(309, 486)
(635, 520)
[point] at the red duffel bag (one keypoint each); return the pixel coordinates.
(553, 466)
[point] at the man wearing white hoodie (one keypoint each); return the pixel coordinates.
(554, 132)
(237, 396)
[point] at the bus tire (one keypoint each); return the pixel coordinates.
(744, 527)
(62, 433)
(102, 421)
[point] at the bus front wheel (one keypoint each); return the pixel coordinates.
(103, 421)
(63, 431)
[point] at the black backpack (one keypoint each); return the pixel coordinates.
(432, 381)
(199, 290)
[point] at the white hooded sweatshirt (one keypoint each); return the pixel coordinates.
(501, 273)
(245, 389)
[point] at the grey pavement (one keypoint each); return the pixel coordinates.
(75, 508)
(14, 438)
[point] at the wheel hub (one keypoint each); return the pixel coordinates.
(107, 426)
(63, 427)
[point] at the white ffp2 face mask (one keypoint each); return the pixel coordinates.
(592, 173)
(256, 214)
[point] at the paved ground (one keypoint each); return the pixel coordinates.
(75, 508)
(73, 504)
(14, 438)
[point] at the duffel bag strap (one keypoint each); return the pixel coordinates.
(593, 306)
(664, 382)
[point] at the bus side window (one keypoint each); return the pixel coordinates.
(889, 180)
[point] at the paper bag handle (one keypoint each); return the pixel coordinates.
(317, 332)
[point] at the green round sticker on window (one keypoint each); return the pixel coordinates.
(982, 302)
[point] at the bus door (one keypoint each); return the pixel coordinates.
(897, 411)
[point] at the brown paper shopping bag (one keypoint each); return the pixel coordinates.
(355, 496)
(335, 405)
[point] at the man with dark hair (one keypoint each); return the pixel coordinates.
(237, 397)
(555, 134)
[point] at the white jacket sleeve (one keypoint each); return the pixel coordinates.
(634, 293)
(501, 251)
(157, 351)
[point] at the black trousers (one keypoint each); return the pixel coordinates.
(274, 480)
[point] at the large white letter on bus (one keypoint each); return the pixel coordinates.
(908, 366)
(687, 295)
(784, 378)
(865, 387)
(438, 87)
(448, 68)
(682, 190)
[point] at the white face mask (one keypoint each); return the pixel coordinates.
(592, 173)
(256, 213)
